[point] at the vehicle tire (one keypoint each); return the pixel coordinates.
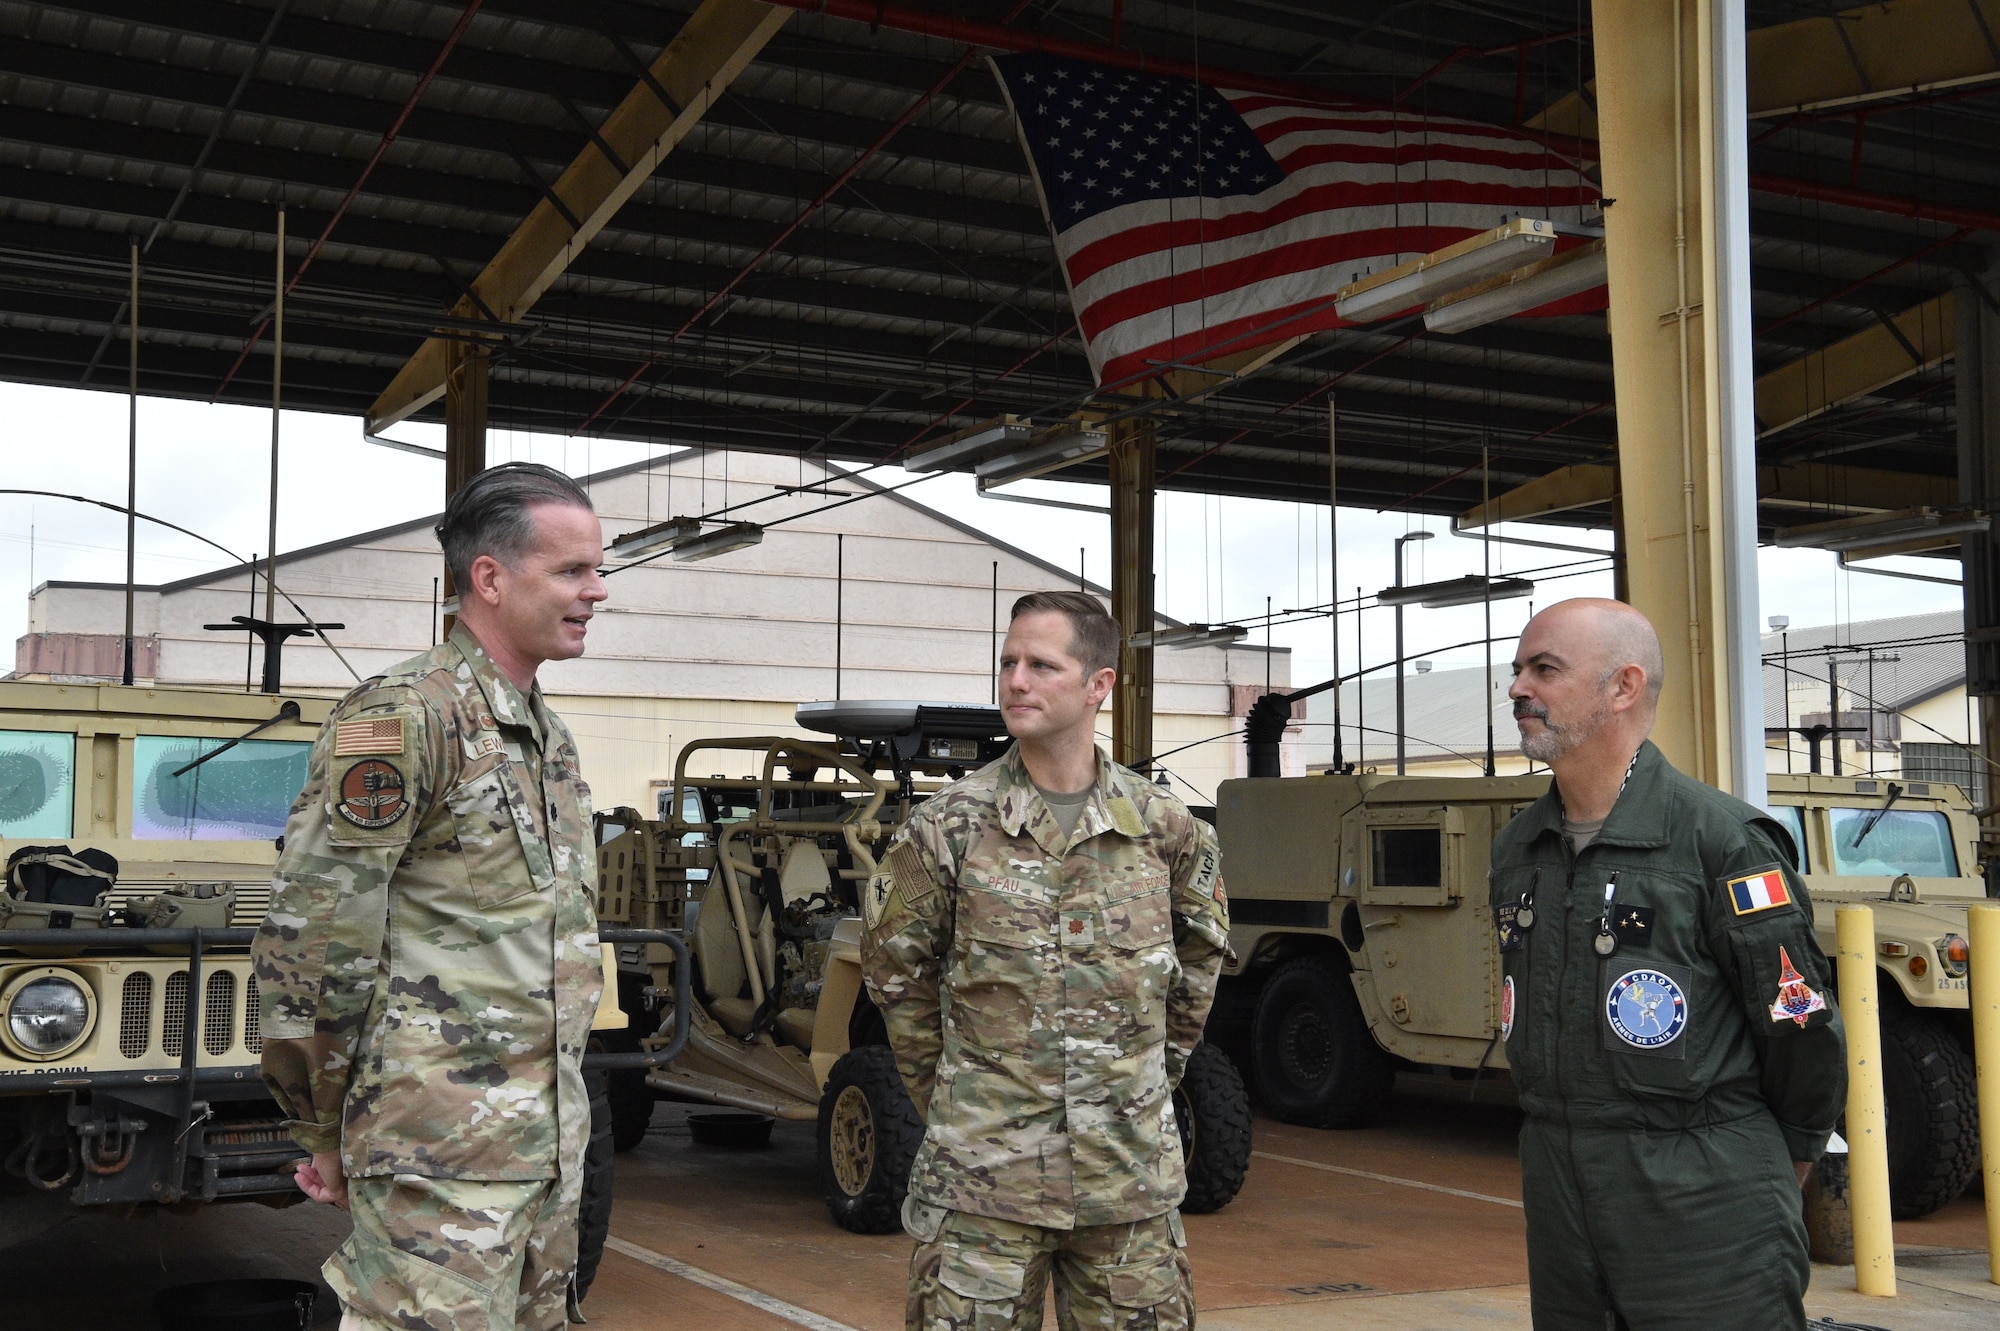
(1317, 1064)
(632, 1100)
(593, 1217)
(1212, 1110)
(868, 1136)
(1932, 1111)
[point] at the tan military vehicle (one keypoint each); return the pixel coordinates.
(760, 867)
(1364, 942)
(128, 1060)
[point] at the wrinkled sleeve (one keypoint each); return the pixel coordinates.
(905, 946)
(1802, 1049)
(317, 955)
(1201, 938)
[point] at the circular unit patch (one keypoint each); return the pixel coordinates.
(1646, 1009)
(1507, 1009)
(371, 794)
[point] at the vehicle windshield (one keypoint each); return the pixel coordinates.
(1912, 841)
(1793, 819)
(37, 780)
(242, 795)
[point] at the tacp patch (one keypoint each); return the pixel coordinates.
(379, 734)
(1796, 999)
(371, 794)
(1758, 891)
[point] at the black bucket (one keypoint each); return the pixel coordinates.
(237, 1305)
(738, 1130)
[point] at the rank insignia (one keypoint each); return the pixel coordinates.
(1633, 925)
(381, 734)
(1506, 921)
(371, 794)
(1078, 928)
(1796, 999)
(1760, 891)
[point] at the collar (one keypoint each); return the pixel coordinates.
(1638, 819)
(503, 700)
(1112, 807)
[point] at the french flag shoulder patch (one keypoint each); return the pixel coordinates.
(1760, 891)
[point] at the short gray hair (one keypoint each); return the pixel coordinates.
(488, 515)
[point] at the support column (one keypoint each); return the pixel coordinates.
(1978, 387)
(1673, 253)
(1132, 469)
(465, 388)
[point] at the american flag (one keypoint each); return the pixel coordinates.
(1194, 222)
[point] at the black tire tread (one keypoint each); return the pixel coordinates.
(1212, 1095)
(593, 1219)
(1928, 1173)
(1364, 1074)
(898, 1133)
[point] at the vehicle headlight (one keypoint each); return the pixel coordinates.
(48, 1013)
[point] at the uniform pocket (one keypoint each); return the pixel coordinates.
(983, 1277)
(401, 1288)
(486, 810)
(1142, 918)
(1154, 1295)
(996, 978)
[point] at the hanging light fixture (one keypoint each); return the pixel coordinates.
(1472, 589)
(973, 444)
(1191, 635)
(735, 536)
(1529, 288)
(1053, 449)
(1521, 242)
(651, 540)
(1913, 528)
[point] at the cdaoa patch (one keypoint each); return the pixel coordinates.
(1506, 1009)
(372, 794)
(1646, 1009)
(1796, 1000)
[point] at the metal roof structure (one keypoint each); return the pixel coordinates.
(408, 138)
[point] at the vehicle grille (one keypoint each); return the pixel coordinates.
(218, 1014)
(253, 1039)
(173, 1020)
(133, 1013)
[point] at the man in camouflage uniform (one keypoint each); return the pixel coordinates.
(1043, 941)
(429, 966)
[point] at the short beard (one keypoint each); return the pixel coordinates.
(1556, 738)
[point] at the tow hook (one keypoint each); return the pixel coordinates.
(107, 1139)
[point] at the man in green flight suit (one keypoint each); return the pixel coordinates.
(1043, 941)
(1666, 1010)
(429, 966)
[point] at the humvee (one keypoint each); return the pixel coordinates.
(129, 1040)
(1364, 942)
(760, 871)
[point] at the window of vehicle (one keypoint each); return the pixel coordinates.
(1912, 841)
(1409, 857)
(241, 795)
(1793, 819)
(37, 781)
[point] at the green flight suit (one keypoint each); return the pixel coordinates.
(1670, 1086)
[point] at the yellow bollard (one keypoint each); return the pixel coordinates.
(1983, 932)
(609, 1016)
(1867, 1136)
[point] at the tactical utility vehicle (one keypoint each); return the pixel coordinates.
(1364, 941)
(128, 1061)
(762, 870)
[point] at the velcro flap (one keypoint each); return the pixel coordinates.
(981, 1276)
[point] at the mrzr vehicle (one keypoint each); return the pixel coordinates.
(1364, 941)
(761, 872)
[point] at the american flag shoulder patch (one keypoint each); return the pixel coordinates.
(380, 734)
(1760, 891)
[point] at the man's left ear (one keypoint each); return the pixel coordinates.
(1103, 681)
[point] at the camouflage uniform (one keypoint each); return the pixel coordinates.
(1043, 994)
(428, 972)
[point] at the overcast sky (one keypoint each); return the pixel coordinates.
(207, 468)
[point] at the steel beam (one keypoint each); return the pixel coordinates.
(720, 40)
(1853, 57)
(1918, 339)
(1131, 460)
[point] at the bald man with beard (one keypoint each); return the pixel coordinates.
(1667, 1011)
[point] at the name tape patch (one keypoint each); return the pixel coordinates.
(355, 739)
(1759, 892)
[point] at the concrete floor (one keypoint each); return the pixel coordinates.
(1414, 1226)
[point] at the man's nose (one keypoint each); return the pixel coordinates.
(594, 589)
(1518, 688)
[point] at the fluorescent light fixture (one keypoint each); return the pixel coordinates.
(1472, 589)
(736, 536)
(1053, 449)
(651, 540)
(1520, 242)
(1911, 528)
(973, 444)
(1529, 288)
(1191, 635)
